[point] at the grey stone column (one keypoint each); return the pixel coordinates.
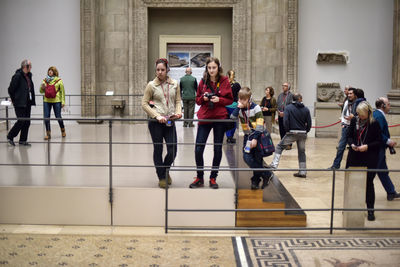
(88, 57)
(394, 93)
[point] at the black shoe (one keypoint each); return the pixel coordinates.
(333, 168)
(24, 143)
(213, 183)
(299, 175)
(231, 140)
(199, 182)
(371, 215)
(267, 180)
(390, 197)
(10, 141)
(255, 185)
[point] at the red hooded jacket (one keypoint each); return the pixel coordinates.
(225, 98)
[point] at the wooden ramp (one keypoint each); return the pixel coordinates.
(274, 196)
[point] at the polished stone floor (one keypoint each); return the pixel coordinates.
(311, 193)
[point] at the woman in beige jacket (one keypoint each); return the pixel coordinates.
(162, 101)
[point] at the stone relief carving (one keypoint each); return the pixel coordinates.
(332, 58)
(329, 92)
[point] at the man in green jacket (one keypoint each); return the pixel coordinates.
(188, 86)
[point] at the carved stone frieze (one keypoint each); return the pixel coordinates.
(292, 21)
(88, 57)
(332, 58)
(329, 92)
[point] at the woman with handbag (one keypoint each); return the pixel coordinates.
(162, 101)
(268, 106)
(54, 97)
(252, 121)
(214, 93)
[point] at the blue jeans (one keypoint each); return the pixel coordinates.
(255, 160)
(160, 132)
(341, 148)
(203, 131)
(57, 111)
(384, 176)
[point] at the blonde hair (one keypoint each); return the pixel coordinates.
(244, 93)
(54, 70)
(365, 108)
(231, 75)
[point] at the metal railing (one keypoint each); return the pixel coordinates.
(168, 210)
(102, 105)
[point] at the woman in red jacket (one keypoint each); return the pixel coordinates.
(213, 94)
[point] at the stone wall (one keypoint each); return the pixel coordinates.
(274, 45)
(115, 38)
(112, 51)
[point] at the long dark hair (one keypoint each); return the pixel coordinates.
(206, 75)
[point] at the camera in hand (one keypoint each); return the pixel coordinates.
(209, 96)
(392, 150)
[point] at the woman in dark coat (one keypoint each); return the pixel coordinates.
(364, 137)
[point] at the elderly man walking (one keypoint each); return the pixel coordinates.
(22, 94)
(188, 85)
(382, 105)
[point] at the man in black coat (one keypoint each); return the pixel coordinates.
(297, 122)
(22, 94)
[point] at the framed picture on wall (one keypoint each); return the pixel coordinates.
(198, 60)
(178, 59)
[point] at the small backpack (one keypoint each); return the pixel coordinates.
(50, 90)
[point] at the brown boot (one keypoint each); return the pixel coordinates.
(48, 135)
(63, 134)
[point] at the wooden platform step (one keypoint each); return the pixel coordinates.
(253, 199)
(274, 196)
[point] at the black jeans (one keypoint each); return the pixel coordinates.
(255, 160)
(160, 132)
(21, 125)
(370, 191)
(203, 131)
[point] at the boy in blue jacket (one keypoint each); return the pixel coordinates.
(252, 121)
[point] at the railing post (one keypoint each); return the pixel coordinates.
(7, 121)
(110, 193)
(95, 107)
(333, 200)
(166, 200)
(48, 151)
(237, 166)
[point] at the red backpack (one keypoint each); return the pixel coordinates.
(50, 90)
